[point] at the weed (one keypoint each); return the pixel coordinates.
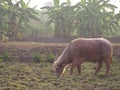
(13, 59)
(50, 58)
(1, 59)
(6, 55)
(37, 57)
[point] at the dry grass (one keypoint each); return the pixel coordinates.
(39, 44)
(32, 44)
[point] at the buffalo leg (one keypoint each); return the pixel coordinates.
(100, 63)
(108, 62)
(79, 70)
(71, 71)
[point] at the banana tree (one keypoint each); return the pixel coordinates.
(93, 17)
(3, 17)
(25, 16)
(60, 15)
(17, 16)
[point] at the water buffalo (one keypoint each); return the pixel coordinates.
(84, 50)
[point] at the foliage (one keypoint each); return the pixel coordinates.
(1, 59)
(37, 57)
(15, 17)
(6, 55)
(4, 38)
(50, 58)
(88, 18)
(61, 16)
(93, 17)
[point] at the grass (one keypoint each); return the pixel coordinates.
(38, 76)
(32, 44)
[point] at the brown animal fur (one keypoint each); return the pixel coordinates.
(84, 50)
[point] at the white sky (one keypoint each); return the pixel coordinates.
(41, 3)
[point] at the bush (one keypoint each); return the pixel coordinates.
(1, 59)
(6, 56)
(37, 57)
(50, 58)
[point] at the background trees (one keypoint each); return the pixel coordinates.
(15, 17)
(94, 17)
(88, 18)
(61, 17)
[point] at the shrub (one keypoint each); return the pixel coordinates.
(1, 59)
(5, 38)
(37, 57)
(6, 55)
(50, 58)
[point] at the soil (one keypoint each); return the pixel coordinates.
(24, 51)
(38, 76)
(19, 74)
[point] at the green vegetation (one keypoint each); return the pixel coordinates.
(88, 18)
(15, 18)
(37, 57)
(6, 55)
(49, 57)
(37, 76)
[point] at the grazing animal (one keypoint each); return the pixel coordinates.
(84, 50)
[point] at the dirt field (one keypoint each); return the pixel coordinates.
(24, 51)
(15, 75)
(37, 76)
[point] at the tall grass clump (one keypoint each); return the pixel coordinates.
(6, 55)
(50, 58)
(37, 57)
